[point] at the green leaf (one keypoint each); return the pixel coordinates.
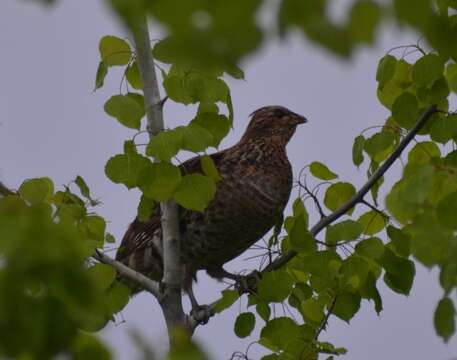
(126, 169)
(195, 192)
(235, 72)
(109, 238)
(228, 299)
(165, 144)
(338, 194)
(313, 310)
(197, 40)
(415, 16)
(275, 286)
(378, 143)
(189, 86)
(87, 347)
(278, 333)
(176, 90)
(405, 110)
(83, 188)
(444, 129)
(447, 210)
(424, 227)
(126, 110)
(299, 209)
(343, 231)
(372, 222)
(159, 181)
(114, 51)
(209, 168)
(217, 125)
(400, 272)
(195, 138)
(354, 272)
(205, 107)
(346, 306)
(399, 241)
(403, 74)
(263, 309)
(321, 171)
(117, 297)
(244, 324)
(357, 150)
(230, 108)
(448, 276)
(146, 208)
(300, 238)
(423, 152)
(270, 357)
(132, 73)
(102, 275)
(451, 76)
(415, 188)
(102, 70)
(369, 291)
(427, 69)
(37, 190)
(371, 248)
(139, 100)
(386, 69)
(130, 147)
(364, 18)
(389, 93)
(436, 94)
(95, 226)
(444, 318)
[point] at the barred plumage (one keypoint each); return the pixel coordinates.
(250, 198)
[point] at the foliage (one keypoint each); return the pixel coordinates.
(49, 290)
(47, 236)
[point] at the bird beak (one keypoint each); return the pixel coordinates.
(301, 119)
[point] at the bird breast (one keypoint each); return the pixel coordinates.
(248, 202)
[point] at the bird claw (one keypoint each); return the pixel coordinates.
(248, 283)
(202, 313)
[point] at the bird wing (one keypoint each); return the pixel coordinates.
(140, 233)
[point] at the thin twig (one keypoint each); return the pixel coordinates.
(314, 197)
(325, 320)
(129, 274)
(358, 197)
(375, 209)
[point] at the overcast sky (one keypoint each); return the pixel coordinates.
(52, 125)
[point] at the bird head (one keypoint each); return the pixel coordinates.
(275, 122)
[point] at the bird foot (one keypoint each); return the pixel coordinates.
(248, 283)
(202, 313)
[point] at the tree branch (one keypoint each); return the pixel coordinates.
(171, 300)
(130, 274)
(324, 322)
(358, 197)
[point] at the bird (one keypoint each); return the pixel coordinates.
(255, 186)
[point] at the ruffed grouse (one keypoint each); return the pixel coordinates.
(255, 187)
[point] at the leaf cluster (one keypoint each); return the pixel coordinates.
(49, 291)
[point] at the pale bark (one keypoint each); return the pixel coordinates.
(171, 300)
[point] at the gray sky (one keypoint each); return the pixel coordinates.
(52, 125)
